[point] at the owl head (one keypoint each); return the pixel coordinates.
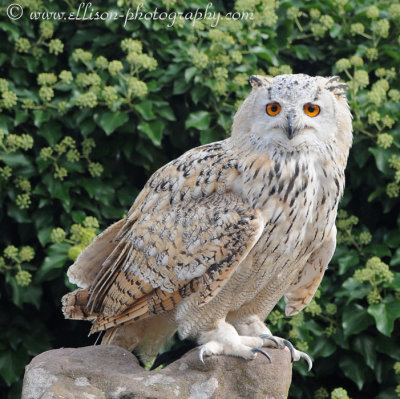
(295, 112)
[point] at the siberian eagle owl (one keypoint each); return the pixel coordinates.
(219, 235)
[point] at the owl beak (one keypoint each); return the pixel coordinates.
(290, 129)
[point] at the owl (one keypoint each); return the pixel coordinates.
(218, 236)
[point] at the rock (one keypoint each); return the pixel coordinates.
(110, 372)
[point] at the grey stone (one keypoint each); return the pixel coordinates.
(110, 372)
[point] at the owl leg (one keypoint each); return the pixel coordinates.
(224, 340)
(254, 327)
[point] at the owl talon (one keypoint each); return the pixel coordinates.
(254, 350)
(307, 359)
(201, 352)
(297, 355)
(270, 337)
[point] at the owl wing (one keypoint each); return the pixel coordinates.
(302, 290)
(185, 235)
(184, 250)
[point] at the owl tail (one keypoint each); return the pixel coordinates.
(126, 337)
(74, 305)
(146, 336)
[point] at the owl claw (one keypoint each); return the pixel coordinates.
(271, 337)
(201, 352)
(254, 350)
(297, 355)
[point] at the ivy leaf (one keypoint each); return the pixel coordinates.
(60, 190)
(355, 319)
(385, 314)
(361, 157)
(40, 117)
(382, 157)
(395, 258)
(180, 86)
(21, 163)
(347, 261)
(365, 346)
(354, 368)
(145, 110)
(44, 235)
(392, 239)
(351, 289)
(31, 294)
(389, 347)
(266, 54)
(19, 215)
(198, 93)
(5, 124)
(87, 127)
(322, 347)
(51, 131)
(16, 160)
(20, 117)
(12, 364)
(388, 393)
(90, 185)
(3, 58)
(199, 120)
(189, 73)
(376, 193)
(110, 121)
(336, 31)
(153, 130)
(394, 284)
(166, 112)
(302, 51)
(78, 216)
(11, 29)
(379, 250)
(105, 195)
(56, 258)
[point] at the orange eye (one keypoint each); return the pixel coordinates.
(273, 109)
(311, 110)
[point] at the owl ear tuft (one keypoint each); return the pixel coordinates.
(336, 87)
(257, 81)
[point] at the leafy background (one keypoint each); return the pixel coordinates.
(90, 109)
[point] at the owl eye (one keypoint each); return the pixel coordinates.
(311, 110)
(273, 109)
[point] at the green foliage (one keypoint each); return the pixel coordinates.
(89, 109)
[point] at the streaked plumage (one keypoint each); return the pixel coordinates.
(219, 235)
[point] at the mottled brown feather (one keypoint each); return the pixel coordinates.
(75, 305)
(88, 265)
(202, 268)
(191, 243)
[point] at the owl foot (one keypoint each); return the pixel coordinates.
(296, 354)
(218, 348)
(224, 340)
